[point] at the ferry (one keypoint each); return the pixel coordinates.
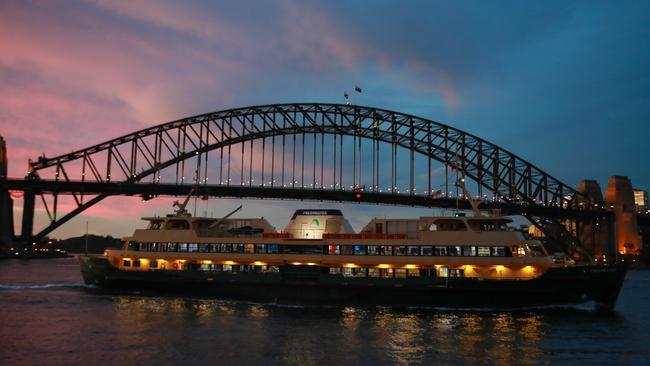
(460, 261)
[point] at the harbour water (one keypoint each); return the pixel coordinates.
(49, 317)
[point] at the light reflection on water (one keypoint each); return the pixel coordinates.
(74, 325)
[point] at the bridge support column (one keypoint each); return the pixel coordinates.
(27, 227)
(6, 204)
(620, 195)
(7, 221)
(595, 234)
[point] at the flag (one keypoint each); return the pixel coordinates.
(357, 89)
(204, 197)
(345, 94)
(437, 194)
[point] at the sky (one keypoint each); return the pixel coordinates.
(562, 84)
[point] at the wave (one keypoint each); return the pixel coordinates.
(41, 286)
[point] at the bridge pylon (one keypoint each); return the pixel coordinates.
(6, 203)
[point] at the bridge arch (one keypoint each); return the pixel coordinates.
(147, 152)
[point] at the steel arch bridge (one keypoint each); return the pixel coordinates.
(305, 151)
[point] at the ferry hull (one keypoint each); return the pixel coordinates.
(307, 285)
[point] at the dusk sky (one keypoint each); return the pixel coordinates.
(564, 85)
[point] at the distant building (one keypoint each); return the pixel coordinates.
(641, 200)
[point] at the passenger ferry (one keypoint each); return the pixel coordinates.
(471, 261)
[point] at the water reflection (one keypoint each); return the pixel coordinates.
(349, 335)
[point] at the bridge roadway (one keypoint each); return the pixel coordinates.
(146, 190)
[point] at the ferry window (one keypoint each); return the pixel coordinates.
(126, 263)
(153, 247)
(272, 248)
(386, 273)
(454, 272)
(400, 273)
(236, 268)
(192, 248)
(335, 270)
(427, 250)
(227, 268)
(136, 263)
(204, 248)
(373, 250)
(413, 272)
(359, 272)
(469, 251)
(483, 251)
(443, 272)
(499, 251)
(260, 248)
(178, 224)
(334, 249)
(249, 248)
(172, 247)
(274, 269)
(454, 251)
(154, 225)
(359, 250)
(433, 227)
(441, 251)
(400, 250)
(133, 245)
(346, 249)
(347, 272)
(413, 250)
(518, 251)
(238, 248)
(373, 272)
(385, 250)
(144, 247)
(182, 247)
(153, 264)
(488, 226)
(214, 248)
(226, 248)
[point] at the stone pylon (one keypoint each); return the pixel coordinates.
(594, 234)
(620, 196)
(6, 203)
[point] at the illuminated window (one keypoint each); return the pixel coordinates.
(443, 272)
(427, 250)
(373, 250)
(400, 273)
(400, 250)
(483, 251)
(414, 250)
(499, 251)
(441, 251)
(454, 251)
(454, 272)
(334, 249)
(469, 251)
(359, 250)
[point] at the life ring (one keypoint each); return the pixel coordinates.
(175, 265)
